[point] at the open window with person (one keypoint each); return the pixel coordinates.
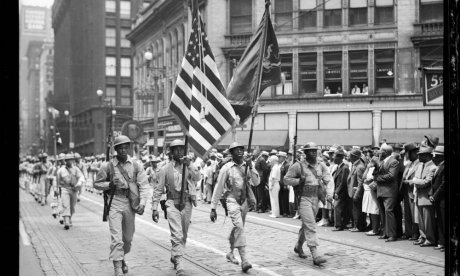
(333, 72)
(384, 71)
(358, 61)
(307, 73)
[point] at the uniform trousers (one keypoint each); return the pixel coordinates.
(208, 192)
(27, 183)
(68, 202)
(426, 222)
(308, 209)
(387, 215)
(121, 223)
(179, 222)
(410, 227)
(237, 214)
(41, 191)
(440, 220)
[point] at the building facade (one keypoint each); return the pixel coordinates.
(352, 69)
(91, 54)
(35, 27)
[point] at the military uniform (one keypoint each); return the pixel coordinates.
(69, 179)
(308, 205)
(42, 170)
(170, 177)
(231, 183)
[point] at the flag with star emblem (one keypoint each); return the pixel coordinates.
(199, 102)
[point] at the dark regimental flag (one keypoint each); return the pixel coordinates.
(260, 62)
(199, 103)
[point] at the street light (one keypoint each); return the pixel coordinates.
(148, 56)
(66, 113)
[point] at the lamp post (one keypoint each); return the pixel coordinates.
(148, 58)
(107, 103)
(67, 114)
(53, 128)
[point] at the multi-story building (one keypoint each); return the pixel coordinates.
(91, 54)
(35, 26)
(328, 49)
(46, 92)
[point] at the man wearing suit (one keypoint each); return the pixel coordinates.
(264, 171)
(411, 230)
(343, 202)
(386, 177)
(356, 190)
(438, 198)
(398, 210)
(284, 189)
(425, 208)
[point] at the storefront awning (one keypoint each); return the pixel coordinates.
(264, 139)
(150, 142)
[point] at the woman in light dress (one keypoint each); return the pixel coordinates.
(370, 203)
(274, 186)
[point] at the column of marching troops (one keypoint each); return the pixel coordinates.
(372, 189)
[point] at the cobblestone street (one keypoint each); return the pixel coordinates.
(83, 250)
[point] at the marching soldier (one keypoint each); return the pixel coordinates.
(80, 165)
(117, 174)
(231, 181)
(69, 178)
(171, 177)
(42, 169)
(309, 174)
(51, 178)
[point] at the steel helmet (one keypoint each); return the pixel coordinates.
(102, 156)
(69, 156)
(176, 143)
(61, 156)
(310, 146)
(77, 155)
(121, 139)
(40, 155)
(235, 145)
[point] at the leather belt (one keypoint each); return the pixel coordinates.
(121, 192)
(309, 190)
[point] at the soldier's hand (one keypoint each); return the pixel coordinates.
(117, 182)
(140, 209)
(186, 161)
(336, 196)
(302, 180)
(111, 185)
(213, 215)
(155, 215)
(432, 199)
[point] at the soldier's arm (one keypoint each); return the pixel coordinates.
(221, 179)
(293, 174)
(425, 182)
(143, 184)
(80, 177)
(158, 189)
(101, 182)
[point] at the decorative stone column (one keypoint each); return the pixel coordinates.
(376, 126)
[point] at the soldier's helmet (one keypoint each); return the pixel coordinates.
(69, 156)
(40, 155)
(61, 156)
(235, 145)
(121, 139)
(176, 143)
(310, 146)
(102, 156)
(77, 155)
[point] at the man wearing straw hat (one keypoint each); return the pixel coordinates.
(438, 197)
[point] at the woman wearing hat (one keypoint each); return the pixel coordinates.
(274, 187)
(69, 178)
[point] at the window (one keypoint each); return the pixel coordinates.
(332, 13)
(358, 61)
(286, 73)
(283, 15)
(384, 71)
(111, 94)
(358, 12)
(431, 11)
(125, 98)
(240, 16)
(145, 5)
(110, 66)
(110, 6)
(307, 14)
(307, 71)
(332, 72)
(124, 43)
(432, 56)
(125, 67)
(384, 12)
(125, 9)
(110, 37)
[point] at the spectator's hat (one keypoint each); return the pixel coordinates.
(69, 156)
(339, 152)
(431, 141)
(273, 152)
(398, 146)
(439, 150)
(219, 156)
(409, 147)
(282, 154)
(356, 153)
(264, 153)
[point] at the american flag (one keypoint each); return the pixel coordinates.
(199, 101)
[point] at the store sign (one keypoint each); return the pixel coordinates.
(433, 90)
(358, 72)
(383, 71)
(333, 74)
(309, 75)
(34, 20)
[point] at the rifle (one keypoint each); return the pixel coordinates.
(298, 188)
(105, 214)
